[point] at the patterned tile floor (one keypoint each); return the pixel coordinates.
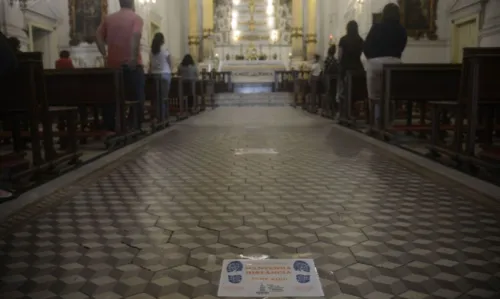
(159, 224)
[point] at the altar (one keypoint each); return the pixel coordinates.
(252, 70)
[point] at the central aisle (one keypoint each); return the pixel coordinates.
(159, 224)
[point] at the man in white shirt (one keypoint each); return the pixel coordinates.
(316, 66)
(315, 83)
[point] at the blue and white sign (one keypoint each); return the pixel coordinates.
(269, 278)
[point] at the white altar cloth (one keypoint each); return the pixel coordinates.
(252, 70)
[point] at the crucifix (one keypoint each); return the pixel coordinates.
(251, 23)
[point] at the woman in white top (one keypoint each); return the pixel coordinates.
(159, 63)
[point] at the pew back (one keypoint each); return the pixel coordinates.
(89, 86)
(421, 82)
(356, 92)
(480, 75)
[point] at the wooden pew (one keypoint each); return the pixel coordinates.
(25, 100)
(93, 87)
(222, 81)
(189, 91)
(329, 99)
(284, 81)
(316, 92)
(208, 88)
(205, 90)
(159, 106)
(474, 110)
(301, 88)
(177, 100)
(355, 101)
(407, 84)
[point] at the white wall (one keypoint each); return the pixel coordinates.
(55, 14)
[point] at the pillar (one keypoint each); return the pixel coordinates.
(297, 29)
(194, 34)
(311, 39)
(208, 28)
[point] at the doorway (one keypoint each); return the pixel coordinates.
(41, 41)
(153, 29)
(465, 34)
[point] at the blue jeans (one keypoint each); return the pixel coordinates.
(166, 79)
(134, 83)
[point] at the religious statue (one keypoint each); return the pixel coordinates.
(251, 23)
(85, 17)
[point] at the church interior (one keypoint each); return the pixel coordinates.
(252, 159)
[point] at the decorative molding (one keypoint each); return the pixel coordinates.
(155, 17)
(463, 4)
(465, 8)
(492, 29)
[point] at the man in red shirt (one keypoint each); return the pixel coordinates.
(64, 62)
(121, 32)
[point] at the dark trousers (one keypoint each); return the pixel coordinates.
(134, 82)
(164, 93)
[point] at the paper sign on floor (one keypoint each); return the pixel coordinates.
(269, 278)
(254, 151)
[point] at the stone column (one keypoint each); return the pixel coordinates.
(311, 39)
(297, 29)
(194, 34)
(208, 28)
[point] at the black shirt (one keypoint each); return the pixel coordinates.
(386, 39)
(331, 65)
(352, 47)
(8, 60)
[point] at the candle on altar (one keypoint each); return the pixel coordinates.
(331, 39)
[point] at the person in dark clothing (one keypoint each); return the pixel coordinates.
(8, 64)
(8, 60)
(15, 44)
(331, 69)
(331, 63)
(384, 44)
(350, 50)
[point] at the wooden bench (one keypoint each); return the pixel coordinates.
(354, 106)
(475, 110)
(329, 98)
(405, 85)
(189, 91)
(95, 88)
(284, 81)
(25, 102)
(301, 88)
(158, 109)
(222, 81)
(177, 101)
(205, 90)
